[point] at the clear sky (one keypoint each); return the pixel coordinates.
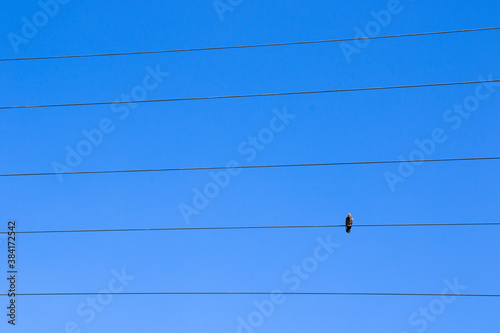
(442, 122)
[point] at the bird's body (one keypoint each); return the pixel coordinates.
(348, 223)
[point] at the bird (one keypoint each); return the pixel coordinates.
(348, 223)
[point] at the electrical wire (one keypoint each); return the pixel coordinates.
(257, 227)
(183, 99)
(252, 46)
(249, 166)
(259, 293)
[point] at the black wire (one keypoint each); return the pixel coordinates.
(248, 166)
(251, 95)
(256, 227)
(252, 46)
(259, 293)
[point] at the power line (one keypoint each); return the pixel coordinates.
(257, 227)
(259, 293)
(252, 45)
(249, 166)
(252, 95)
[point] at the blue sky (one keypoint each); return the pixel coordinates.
(358, 126)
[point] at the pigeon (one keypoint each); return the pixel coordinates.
(348, 223)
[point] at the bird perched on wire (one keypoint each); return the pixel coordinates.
(348, 223)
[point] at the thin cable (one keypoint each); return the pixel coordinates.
(248, 167)
(252, 95)
(256, 227)
(258, 293)
(251, 46)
